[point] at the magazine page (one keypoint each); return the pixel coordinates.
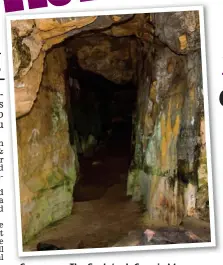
(110, 132)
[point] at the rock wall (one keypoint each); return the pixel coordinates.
(113, 58)
(169, 172)
(32, 38)
(47, 163)
(46, 160)
(161, 54)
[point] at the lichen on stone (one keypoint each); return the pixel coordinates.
(59, 115)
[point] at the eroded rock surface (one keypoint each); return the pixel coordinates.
(180, 31)
(114, 58)
(162, 236)
(160, 53)
(46, 160)
(30, 37)
(168, 171)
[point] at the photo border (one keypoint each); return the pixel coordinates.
(53, 14)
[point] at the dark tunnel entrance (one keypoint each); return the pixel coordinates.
(91, 96)
(100, 125)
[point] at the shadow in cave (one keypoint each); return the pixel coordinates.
(100, 125)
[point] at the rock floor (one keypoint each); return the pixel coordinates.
(93, 224)
(102, 213)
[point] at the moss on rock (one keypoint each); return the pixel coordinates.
(50, 206)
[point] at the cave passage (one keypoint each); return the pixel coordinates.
(100, 114)
(100, 125)
(110, 130)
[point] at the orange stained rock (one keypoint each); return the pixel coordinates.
(50, 24)
(152, 93)
(168, 133)
(116, 18)
(176, 128)
(183, 42)
(192, 94)
(170, 68)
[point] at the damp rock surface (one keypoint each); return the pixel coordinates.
(46, 160)
(150, 67)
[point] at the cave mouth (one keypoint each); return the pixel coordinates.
(101, 100)
(100, 120)
(90, 87)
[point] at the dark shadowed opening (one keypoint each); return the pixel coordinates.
(100, 124)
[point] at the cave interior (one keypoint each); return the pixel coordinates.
(100, 115)
(110, 128)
